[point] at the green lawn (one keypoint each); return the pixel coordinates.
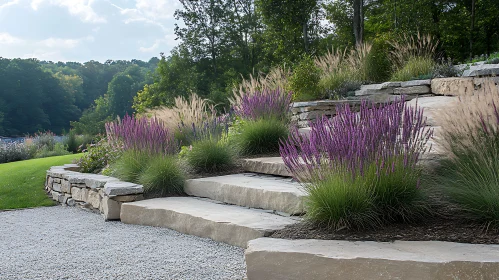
(22, 182)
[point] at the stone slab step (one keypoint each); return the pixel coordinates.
(230, 224)
(267, 165)
(269, 258)
(251, 190)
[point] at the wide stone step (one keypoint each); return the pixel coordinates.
(269, 258)
(225, 223)
(268, 165)
(251, 190)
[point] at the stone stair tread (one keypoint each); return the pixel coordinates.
(251, 190)
(266, 165)
(231, 224)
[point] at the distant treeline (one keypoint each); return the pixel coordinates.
(40, 95)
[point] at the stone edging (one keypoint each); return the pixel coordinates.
(97, 192)
(270, 258)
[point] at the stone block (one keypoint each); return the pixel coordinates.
(251, 190)
(65, 198)
(57, 196)
(316, 114)
(71, 202)
(94, 199)
(415, 83)
(50, 181)
(80, 194)
(115, 188)
(110, 209)
(482, 70)
(453, 86)
(412, 90)
(65, 186)
(432, 106)
(269, 165)
(98, 181)
(57, 187)
(279, 259)
(224, 223)
(128, 198)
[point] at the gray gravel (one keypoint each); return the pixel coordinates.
(71, 243)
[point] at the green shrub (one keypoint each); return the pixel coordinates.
(304, 83)
(261, 136)
(378, 66)
(415, 67)
(210, 155)
(129, 166)
(160, 176)
(97, 156)
(70, 142)
(57, 150)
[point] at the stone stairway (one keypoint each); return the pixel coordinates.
(233, 209)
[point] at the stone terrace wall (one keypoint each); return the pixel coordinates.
(97, 192)
(303, 112)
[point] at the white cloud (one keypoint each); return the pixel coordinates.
(152, 48)
(45, 55)
(81, 8)
(7, 39)
(63, 43)
(150, 11)
(9, 3)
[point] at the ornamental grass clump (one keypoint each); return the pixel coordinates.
(264, 121)
(360, 169)
(470, 136)
(209, 151)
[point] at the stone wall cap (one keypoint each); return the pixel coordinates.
(122, 188)
(416, 83)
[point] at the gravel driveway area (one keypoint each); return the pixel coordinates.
(71, 243)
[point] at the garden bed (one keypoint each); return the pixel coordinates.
(447, 224)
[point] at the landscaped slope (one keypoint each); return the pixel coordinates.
(21, 183)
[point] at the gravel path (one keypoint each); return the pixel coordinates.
(70, 243)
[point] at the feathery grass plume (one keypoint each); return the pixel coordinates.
(415, 68)
(343, 70)
(266, 104)
(277, 78)
(407, 47)
(375, 152)
(141, 134)
(470, 136)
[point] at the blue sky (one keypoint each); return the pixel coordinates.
(82, 30)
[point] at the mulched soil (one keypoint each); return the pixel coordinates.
(446, 224)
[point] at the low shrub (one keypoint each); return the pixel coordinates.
(58, 150)
(77, 143)
(260, 136)
(97, 156)
(470, 174)
(416, 67)
(14, 151)
(161, 175)
(44, 140)
(130, 165)
(445, 69)
(210, 155)
(378, 67)
(375, 153)
(304, 82)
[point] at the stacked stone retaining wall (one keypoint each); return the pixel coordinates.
(304, 112)
(96, 192)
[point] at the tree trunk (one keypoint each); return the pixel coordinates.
(472, 27)
(358, 21)
(305, 36)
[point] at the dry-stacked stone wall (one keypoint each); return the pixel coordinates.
(304, 112)
(97, 192)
